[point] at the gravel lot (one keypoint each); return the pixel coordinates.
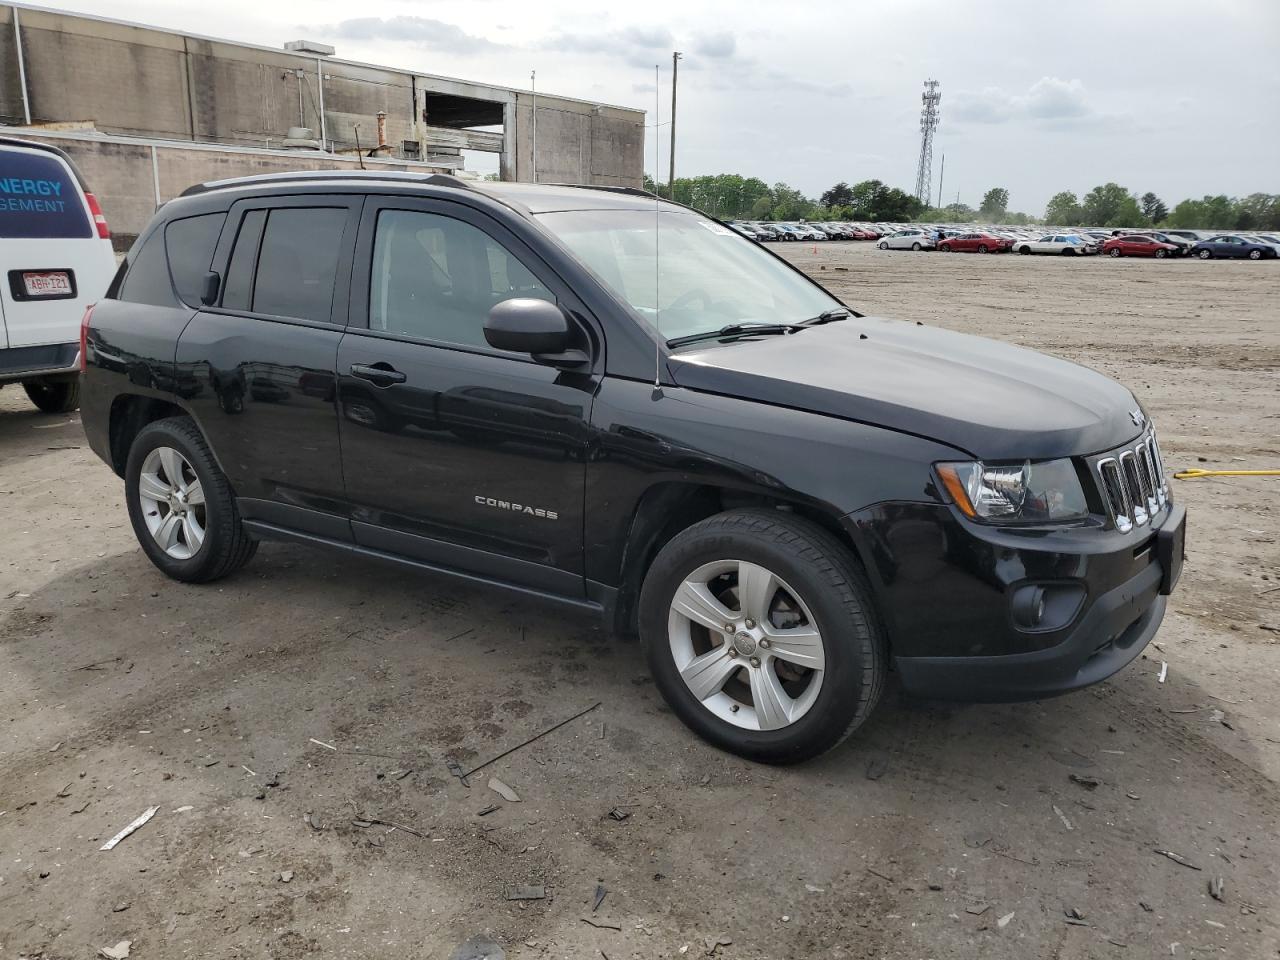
(940, 831)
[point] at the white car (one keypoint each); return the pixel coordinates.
(1062, 243)
(907, 240)
(55, 250)
(811, 231)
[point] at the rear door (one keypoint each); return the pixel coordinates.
(258, 365)
(52, 260)
(456, 453)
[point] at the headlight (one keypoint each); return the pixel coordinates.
(1025, 492)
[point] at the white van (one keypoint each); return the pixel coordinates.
(55, 260)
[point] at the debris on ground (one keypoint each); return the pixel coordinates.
(1177, 859)
(366, 820)
(1215, 888)
(119, 952)
(478, 948)
(1063, 817)
(491, 808)
(877, 769)
(601, 893)
(504, 791)
(519, 746)
(121, 907)
(531, 892)
(715, 943)
(1089, 783)
(136, 824)
(600, 926)
(286, 876)
(321, 743)
(617, 813)
(978, 909)
(1164, 671)
(1004, 921)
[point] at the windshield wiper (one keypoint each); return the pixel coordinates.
(734, 330)
(826, 316)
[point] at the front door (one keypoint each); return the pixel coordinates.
(455, 453)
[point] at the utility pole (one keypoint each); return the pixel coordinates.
(533, 157)
(671, 171)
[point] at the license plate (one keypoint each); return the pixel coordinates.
(1171, 548)
(55, 283)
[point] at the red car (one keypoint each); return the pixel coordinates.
(1137, 245)
(975, 243)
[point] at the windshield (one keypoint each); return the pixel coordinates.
(703, 276)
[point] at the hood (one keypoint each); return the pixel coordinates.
(990, 399)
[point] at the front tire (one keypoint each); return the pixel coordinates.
(1206, 254)
(982, 248)
(181, 505)
(884, 245)
(1024, 250)
(1161, 254)
(1255, 254)
(761, 634)
(54, 396)
(1115, 252)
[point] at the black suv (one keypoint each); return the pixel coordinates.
(595, 397)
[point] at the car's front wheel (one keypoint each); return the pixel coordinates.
(1206, 254)
(982, 248)
(54, 396)
(1115, 252)
(181, 505)
(1255, 254)
(760, 632)
(884, 245)
(1161, 254)
(1024, 250)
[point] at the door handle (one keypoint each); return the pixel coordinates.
(380, 374)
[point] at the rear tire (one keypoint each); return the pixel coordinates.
(916, 247)
(816, 584)
(225, 544)
(54, 396)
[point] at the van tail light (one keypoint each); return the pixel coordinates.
(104, 232)
(84, 337)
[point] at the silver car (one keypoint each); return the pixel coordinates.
(907, 240)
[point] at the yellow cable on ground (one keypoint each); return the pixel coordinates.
(1196, 472)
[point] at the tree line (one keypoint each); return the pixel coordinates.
(733, 197)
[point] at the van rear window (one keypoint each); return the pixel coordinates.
(39, 198)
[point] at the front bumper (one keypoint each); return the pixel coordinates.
(947, 590)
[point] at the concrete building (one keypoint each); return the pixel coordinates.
(146, 112)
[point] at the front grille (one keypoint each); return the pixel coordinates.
(1133, 483)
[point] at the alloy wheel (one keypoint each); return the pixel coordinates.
(173, 503)
(746, 645)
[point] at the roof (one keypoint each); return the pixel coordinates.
(533, 197)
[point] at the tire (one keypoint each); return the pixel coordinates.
(916, 247)
(1024, 250)
(945, 248)
(884, 245)
(830, 592)
(1206, 254)
(54, 396)
(1161, 254)
(1115, 252)
(224, 545)
(1255, 254)
(982, 248)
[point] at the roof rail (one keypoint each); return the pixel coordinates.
(432, 179)
(631, 191)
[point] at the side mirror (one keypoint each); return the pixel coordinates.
(537, 327)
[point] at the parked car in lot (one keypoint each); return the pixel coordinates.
(55, 252)
(1182, 244)
(907, 240)
(975, 243)
(1061, 243)
(780, 496)
(1231, 246)
(1271, 242)
(1138, 245)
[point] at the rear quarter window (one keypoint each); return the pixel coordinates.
(39, 198)
(147, 277)
(190, 243)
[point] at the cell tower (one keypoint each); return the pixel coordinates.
(929, 117)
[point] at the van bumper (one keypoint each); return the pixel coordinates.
(31, 363)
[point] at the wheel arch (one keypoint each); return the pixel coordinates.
(130, 413)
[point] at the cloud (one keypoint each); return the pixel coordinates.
(435, 34)
(1050, 100)
(719, 44)
(630, 41)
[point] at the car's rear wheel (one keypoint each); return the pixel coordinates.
(916, 246)
(1206, 254)
(54, 396)
(181, 505)
(760, 632)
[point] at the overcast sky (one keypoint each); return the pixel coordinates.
(1174, 96)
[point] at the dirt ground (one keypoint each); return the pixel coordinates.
(939, 831)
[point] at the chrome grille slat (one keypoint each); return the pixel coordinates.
(1132, 483)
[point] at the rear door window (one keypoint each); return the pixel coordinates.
(298, 261)
(39, 198)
